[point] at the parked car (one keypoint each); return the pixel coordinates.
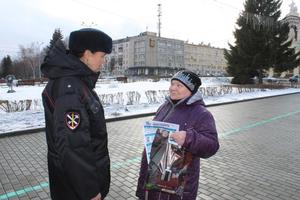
(295, 79)
(270, 79)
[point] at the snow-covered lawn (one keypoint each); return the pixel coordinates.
(119, 99)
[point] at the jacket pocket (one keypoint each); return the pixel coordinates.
(78, 139)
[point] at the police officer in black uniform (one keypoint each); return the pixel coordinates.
(78, 158)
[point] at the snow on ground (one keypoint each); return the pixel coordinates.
(34, 118)
(34, 92)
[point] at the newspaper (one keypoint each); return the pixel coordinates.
(167, 161)
(150, 129)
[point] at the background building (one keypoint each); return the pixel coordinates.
(204, 59)
(294, 23)
(293, 19)
(150, 55)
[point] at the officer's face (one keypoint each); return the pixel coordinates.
(94, 60)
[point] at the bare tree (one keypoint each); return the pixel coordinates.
(31, 56)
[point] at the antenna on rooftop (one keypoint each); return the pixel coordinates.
(159, 15)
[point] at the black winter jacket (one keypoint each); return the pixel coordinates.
(78, 158)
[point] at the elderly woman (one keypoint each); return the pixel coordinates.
(197, 134)
(78, 159)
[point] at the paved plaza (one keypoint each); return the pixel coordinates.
(259, 156)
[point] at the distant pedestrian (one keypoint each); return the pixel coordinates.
(197, 136)
(78, 158)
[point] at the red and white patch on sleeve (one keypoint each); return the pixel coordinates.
(72, 120)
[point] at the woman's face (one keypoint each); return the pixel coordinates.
(178, 90)
(93, 60)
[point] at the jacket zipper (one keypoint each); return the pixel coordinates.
(169, 112)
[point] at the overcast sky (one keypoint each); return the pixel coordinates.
(209, 21)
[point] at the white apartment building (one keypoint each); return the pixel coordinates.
(204, 59)
(150, 55)
(119, 59)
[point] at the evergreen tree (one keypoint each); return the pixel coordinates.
(6, 65)
(261, 42)
(57, 35)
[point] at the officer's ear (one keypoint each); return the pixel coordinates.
(85, 56)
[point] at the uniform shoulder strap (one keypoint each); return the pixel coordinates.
(59, 87)
(70, 85)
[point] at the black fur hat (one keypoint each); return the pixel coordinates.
(189, 79)
(90, 39)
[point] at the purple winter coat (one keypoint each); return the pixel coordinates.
(201, 140)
